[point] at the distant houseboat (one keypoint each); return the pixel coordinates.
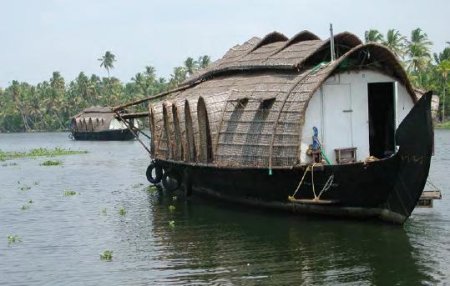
(100, 123)
(330, 127)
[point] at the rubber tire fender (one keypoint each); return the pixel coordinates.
(158, 173)
(174, 175)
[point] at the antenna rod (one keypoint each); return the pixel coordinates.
(333, 54)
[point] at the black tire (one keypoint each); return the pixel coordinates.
(171, 180)
(158, 173)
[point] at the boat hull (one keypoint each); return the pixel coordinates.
(106, 135)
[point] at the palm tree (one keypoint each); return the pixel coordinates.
(418, 51)
(190, 65)
(396, 43)
(107, 61)
(443, 69)
(373, 36)
(204, 61)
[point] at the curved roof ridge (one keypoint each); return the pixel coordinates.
(268, 39)
(302, 36)
(345, 38)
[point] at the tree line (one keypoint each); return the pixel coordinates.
(47, 106)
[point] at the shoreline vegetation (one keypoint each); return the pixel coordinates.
(442, 125)
(49, 105)
(38, 152)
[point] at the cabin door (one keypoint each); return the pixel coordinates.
(337, 113)
(381, 99)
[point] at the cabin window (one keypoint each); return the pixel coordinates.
(381, 119)
(239, 107)
(252, 148)
(205, 145)
(191, 153)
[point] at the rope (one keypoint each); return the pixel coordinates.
(301, 182)
(132, 131)
(325, 187)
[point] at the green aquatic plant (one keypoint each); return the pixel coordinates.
(51, 163)
(13, 239)
(152, 189)
(172, 223)
(172, 208)
(122, 211)
(38, 152)
(106, 255)
(174, 198)
(68, 193)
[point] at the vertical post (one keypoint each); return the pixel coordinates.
(333, 54)
(443, 102)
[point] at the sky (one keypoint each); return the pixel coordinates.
(42, 36)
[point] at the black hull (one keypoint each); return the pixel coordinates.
(112, 135)
(387, 189)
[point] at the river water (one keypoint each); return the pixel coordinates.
(163, 239)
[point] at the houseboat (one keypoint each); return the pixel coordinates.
(326, 127)
(101, 123)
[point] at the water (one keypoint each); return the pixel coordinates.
(200, 242)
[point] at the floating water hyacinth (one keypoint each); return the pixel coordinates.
(106, 255)
(68, 193)
(51, 163)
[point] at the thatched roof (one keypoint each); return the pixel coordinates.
(256, 98)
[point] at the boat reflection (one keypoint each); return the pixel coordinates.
(206, 242)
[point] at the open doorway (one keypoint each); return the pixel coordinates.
(381, 119)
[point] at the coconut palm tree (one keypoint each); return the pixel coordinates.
(190, 65)
(204, 61)
(418, 51)
(373, 36)
(107, 61)
(395, 42)
(443, 69)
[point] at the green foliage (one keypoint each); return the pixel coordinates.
(172, 208)
(38, 152)
(152, 189)
(443, 125)
(51, 163)
(106, 255)
(49, 105)
(122, 211)
(13, 239)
